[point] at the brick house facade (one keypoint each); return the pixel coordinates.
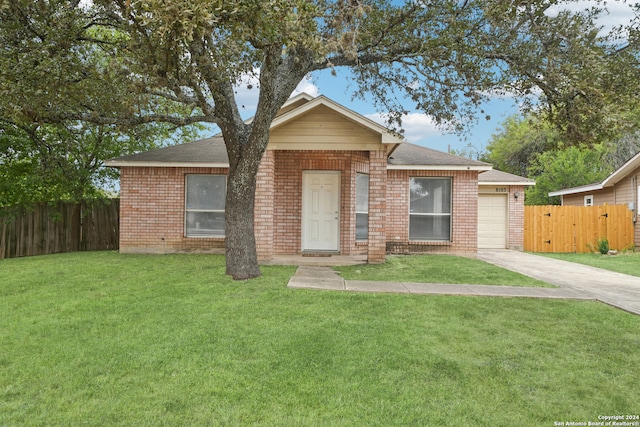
(379, 194)
(501, 193)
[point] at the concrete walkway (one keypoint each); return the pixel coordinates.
(575, 281)
(616, 289)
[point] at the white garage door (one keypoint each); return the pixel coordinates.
(492, 221)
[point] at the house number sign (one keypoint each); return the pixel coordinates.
(501, 190)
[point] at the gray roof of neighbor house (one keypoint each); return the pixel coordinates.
(211, 152)
(496, 177)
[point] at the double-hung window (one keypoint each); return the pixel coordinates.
(362, 206)
(430, 209)
(205, 202)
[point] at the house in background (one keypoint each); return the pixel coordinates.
(331, 181)
(622, 187)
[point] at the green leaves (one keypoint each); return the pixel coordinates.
(559, 169)
(41, 163)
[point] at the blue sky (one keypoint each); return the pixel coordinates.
(418, 127)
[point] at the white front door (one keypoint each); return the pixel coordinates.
(320, 211)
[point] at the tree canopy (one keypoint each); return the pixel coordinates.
(129, 62)
(65, 161)
(521, 137)
(565, 168)
(532, 147)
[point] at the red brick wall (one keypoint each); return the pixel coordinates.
(377, 207)
(287, 199)
(152, 211)
(516, 217)
(152, 207)
(264, 207)
(464, 228)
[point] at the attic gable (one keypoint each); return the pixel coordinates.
(321, 124)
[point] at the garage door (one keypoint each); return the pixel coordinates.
(492, 221)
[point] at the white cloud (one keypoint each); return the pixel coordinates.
(306, 86)
(618, 12)
(418, 127)
(248, 90)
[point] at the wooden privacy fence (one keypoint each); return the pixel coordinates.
(59, 227)
(577, 228)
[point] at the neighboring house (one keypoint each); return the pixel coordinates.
(330, 181)
(622, 187)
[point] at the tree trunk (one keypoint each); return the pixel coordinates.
(246, 144)
(242, 257)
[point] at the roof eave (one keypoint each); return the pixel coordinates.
(120, 164)
(441, 167)
(298, 97)
(525, 183)
(576, 190)
(622, 171)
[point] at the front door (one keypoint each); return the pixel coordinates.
(320, 210)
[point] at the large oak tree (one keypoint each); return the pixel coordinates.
(443, 56)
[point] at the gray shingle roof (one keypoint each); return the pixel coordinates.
(212, 151)
(209, 150)
(503, 177)
(408, 154)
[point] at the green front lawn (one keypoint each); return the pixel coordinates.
(438, 269)
(98, 339)
(627, 263)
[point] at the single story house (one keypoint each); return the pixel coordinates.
(331, 181)
(619, 188)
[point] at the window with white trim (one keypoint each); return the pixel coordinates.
(430, 209)
(362, 206)
(588, 200)
(204, 205)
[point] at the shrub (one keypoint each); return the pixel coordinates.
(603, 246)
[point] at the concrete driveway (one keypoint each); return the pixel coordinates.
(616, 289)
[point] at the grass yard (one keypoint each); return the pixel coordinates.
(98, 339)
(438, 269)
(627, 263)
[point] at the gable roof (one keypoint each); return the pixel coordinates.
(617, 176)
(496, 177)
(211, 152)
(386, 136)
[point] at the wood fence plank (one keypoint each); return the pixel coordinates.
(577, 228)
(59, 227)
